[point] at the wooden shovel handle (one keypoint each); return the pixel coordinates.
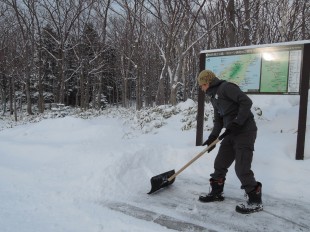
(194, 159)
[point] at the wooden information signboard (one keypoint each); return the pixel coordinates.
(282, 68)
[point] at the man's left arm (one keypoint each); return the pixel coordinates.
(234, 93)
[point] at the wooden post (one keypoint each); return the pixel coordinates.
(201, 104)
(303, 104)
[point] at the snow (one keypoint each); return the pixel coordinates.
(75, 174)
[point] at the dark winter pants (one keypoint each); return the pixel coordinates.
(238, 148)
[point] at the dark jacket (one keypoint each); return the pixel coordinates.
(230, 105)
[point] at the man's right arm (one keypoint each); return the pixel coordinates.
(217, 124)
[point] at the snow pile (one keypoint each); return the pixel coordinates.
(82, 171)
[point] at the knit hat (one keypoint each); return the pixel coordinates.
(205, 77)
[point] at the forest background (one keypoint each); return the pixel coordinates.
(90, 53)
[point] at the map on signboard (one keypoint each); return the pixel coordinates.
(243, 70)
(274, 72)
(294, 71)
(259, 70)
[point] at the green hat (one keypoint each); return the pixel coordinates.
(205, 77)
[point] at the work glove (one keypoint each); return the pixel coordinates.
(232, 128)
(209, 141)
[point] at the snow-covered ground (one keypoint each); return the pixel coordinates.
(74, 175)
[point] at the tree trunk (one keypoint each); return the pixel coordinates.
(173, 95)
(11, 83)
(303, 23)
(77, 103)
(28, 96)
(14, 99)
(100, 92)
(61, 77)
(41, 102)
(231, 30)
(138, 89)
(247, 26)
(82, 91)
(256, 20)
(160, 96)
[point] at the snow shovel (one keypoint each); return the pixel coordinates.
(167, 178)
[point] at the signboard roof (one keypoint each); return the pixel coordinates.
(300, 42)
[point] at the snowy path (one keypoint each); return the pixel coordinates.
(177, 208)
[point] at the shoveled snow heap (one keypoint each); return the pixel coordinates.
(63, 173)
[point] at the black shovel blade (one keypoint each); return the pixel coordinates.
(161, 181)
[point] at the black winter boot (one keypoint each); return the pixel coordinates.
(216, 193)
(254, 202)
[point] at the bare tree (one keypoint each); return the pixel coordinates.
(101, 14)
(62, 16)
(128, 43)
(26, 27)
(32, 6)
(231, 26)
(175, 22)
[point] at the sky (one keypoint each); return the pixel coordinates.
(87, 172)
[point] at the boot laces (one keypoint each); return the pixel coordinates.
(246, 196)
